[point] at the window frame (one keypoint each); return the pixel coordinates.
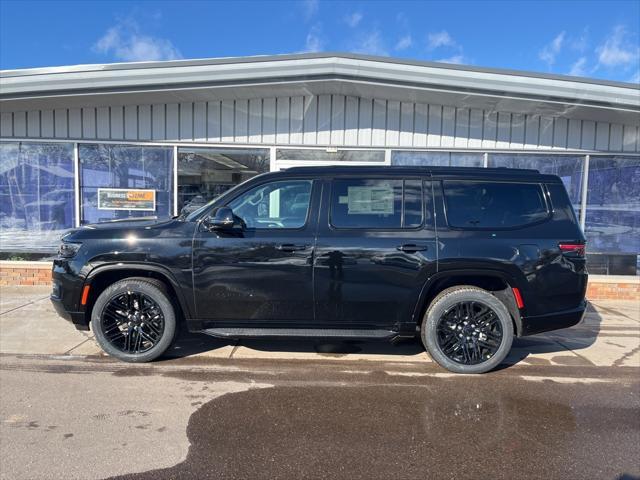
(421, 179)
(226, 203)
(541, 186)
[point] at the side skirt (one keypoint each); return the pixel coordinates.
(232, 332)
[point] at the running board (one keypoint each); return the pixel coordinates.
(226, 332)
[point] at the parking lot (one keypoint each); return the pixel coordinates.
(565, 405)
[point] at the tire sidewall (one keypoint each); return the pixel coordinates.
(153, 292)
(448, 299)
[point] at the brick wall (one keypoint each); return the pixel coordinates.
(25, 273)
(618, 287)
(601, 287)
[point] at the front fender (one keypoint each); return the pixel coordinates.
(147, 267)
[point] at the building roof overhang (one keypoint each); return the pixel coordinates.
(315, 74)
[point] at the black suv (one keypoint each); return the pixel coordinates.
(465, 257)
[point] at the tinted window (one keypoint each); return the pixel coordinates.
(281, 204)
(376, 203)
(493, 204)
(429, 212)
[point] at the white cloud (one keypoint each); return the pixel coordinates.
(404, 43)
(618, 50)
(440, 39)
(310, 8)
(353, 19)
(551, 50)
(370, 44)
(456, 59)
(125, 42)
(635, 78)
(314, 41)
(578, 68)
(580, 43)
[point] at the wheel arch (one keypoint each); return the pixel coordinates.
(498, 282)
(102, 276)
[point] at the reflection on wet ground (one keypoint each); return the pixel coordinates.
(488, 427)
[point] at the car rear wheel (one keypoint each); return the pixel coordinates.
(134, 320)
(467, 330)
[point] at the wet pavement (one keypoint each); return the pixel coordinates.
(225, 418)
(564, 405)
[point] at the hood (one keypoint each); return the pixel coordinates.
(125, 229)
(128, 223)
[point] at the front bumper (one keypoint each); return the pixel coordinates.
(553, 321)
(77, 318)
(65, 296)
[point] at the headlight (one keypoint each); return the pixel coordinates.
(68, 250)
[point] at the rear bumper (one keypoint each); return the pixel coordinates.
(553, 321)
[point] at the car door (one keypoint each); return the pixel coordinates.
(260, 270)
(376, 247)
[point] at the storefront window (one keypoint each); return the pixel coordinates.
(205, 173)
(568, 167)
(124, 169)
(437, 159)
(338, 156)
(613, 214)
(36, 195)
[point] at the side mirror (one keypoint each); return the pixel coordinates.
(222, 219)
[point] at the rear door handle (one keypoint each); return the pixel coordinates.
(290, 247)
(412, 248)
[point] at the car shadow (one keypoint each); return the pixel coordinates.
(565, 343)
(559, 346)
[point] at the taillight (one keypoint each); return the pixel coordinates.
(574, 249)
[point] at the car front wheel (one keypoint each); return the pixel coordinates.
(467, 330)
(134, 320)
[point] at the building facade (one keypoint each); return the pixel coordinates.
(95, 143)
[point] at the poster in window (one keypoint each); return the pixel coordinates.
(126, 199)
(370, 200)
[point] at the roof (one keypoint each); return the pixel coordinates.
(300, 56)
(392, 170)
(182, 73)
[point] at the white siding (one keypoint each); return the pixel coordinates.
(322, 120)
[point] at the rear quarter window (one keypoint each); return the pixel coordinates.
(474, 204)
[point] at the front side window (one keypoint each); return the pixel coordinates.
(283, 204)
(473, 204)
(376, 203)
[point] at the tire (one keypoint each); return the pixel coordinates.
(113, 328)
(442, 327)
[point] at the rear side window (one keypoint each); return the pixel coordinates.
(473, 204)
(376, 203)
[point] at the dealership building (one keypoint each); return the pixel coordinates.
(93, 143)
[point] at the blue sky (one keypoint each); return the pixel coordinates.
(589, 38)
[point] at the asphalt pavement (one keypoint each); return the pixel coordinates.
(564, 405)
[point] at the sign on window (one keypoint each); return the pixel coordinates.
(369, 200)
(126, 199)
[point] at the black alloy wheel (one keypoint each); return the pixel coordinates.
(469, 333)
(132, 322)
(467, 329)
(134, 319)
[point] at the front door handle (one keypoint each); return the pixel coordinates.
(412, 248)
(290, 247)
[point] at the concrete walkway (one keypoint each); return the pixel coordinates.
(609, 336)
